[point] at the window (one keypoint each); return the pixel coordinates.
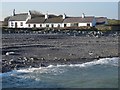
(15, 24)
(28, 25)
(40, 25)
(21, 24)
(34, 25)
(12, 24)
(47, 25)
(88, 24)
(52, 25)
(58, 25)
(75, 24)
(64, 25)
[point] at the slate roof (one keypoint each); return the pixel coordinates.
(19, 17)
(54, 20)
(78, 19)
(101, 19)
(36, 20)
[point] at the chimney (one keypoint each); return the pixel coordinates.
(64, 16)
(46, 15)
(83, 15)
(14, 12)
(29, 12)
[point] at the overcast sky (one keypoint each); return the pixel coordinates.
(107, 9)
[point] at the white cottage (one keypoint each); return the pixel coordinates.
(80, 21)
(25, 20)
(45, 21)
(19, 20)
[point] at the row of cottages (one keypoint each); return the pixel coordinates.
(25, 20)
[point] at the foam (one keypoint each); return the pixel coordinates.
(60, 68)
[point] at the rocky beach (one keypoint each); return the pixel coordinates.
(40, 50)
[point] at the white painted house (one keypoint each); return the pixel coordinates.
(19, 20)
(80, 21)
(25, 20)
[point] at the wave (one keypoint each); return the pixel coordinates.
(103, 61)
(54, 68)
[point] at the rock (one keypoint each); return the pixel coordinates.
(3, 60)
(32, 59)
(11, 61)
(48, 54)
(20, 58)
(30, 66)
(71, 54)
(55, 58)
(25, 58)
(42, 59)
(43, 65)
(10, 53)
(90, 53)
(65, 59)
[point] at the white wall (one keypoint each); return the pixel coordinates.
(9, 24)
(68, 24)
(18, 24)
(43, 25)
(50, 24)
(82, 24)
(93, 23)
(62, 25)
(38, 25)
(57, 24)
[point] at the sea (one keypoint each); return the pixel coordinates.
(102, 73)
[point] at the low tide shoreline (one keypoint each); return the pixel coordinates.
(24, 51)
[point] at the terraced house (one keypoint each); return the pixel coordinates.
(25, 20)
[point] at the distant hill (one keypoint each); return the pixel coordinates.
(113, 22)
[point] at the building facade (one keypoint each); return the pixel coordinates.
(25, 20)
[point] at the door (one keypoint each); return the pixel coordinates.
(15, 24)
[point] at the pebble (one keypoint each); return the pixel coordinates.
(55, 58)
(65, 59)
(90, 53)
(25, 58)
(32, 58)
(9, 53)
(42, 59)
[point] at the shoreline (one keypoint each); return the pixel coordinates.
(55, 63)
(24, 51)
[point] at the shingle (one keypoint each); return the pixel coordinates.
(100, 19)
(19, 17)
